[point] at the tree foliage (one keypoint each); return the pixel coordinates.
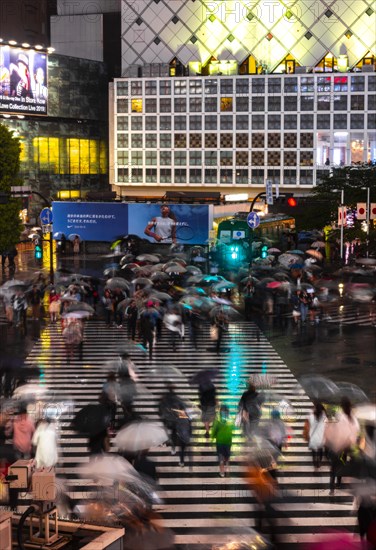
(10, 223)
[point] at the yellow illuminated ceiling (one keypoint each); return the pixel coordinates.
(155, 32)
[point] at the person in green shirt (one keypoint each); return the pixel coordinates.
(221, 432)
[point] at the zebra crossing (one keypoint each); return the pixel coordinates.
(362, 315)
(201, 508)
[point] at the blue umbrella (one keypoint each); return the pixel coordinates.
(296, 266)
(300, 252)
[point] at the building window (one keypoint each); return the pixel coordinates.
(258, 122)
(289, 158)
(274, 158)
(258, 104)
(226, 104)
(242, 176)
(226, 141)
(195, 104)
(274, 85)
(306, 103)
(122, 105)
(180, 158)
(274, 141)
(211, 87)
(242, 122)
(195, 175)
(180, 87)
(165, 175)
(136, 123)
(357, 83)
(291, 85)
(306, 177)
(226, 122)
(258, 177)
(165, 105)
(242, 86)
(323, 122)
(150, 123)
(123, 175)
(122, 123)
(274, 122)
(195, 86)
(165, 123)
(195, 158)
(210, 141)
(306, 122)
(122, 157)
(340, 84)
(122, 88)
(241, 158)
(291, 122)
(340, 102)
(150, 105)
(227, 86)
(258, 141)
(211, 175)
(225, 158)
(211, 158)
(371, 83)
(165, 158)
(291, 103)
(151, 87)
(136, 158)
(289, 176)
(136, 105)
(306, 158)
(211, 104)
(372, 102)
(258, 158)
(242, 104)
(306, 140)
(180, 175)
(195, 140)
(290, 140)
(226, 176)
(323, 103)
(307, 85)
(340, 121)
(122, 140)
(180, 123)
(151, 175)
(136, 87)
(258, 85)
(165, 141)
(180, 141)
(136, 140)
(357, 102)
(210, 122)
(195, 122)
(357, 121)
(165, 87)
(180, 105)
(242, 141)
(151, 141)
(274, 103)
(275, 176)
(137, 175)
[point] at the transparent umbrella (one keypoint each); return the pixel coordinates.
(139, 436)
(117, 282)
(319, 387)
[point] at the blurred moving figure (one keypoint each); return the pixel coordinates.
(222, 431)
(45, 442)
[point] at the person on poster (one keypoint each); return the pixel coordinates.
(41, 91)
(4, 75)
(162, 228)
(20, 80)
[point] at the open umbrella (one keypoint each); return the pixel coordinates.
(174, 268)
(139, 436)
(72, 236)
(159, 276)
(288, 259)
(315, 254)
(203, 376)
(117, 282)
(231, 313)
(318, 244)
(76, 315)
(296, 251)
(142, 282)
(224, 285)
(273, 250)
(273, 284)
(193, 270)
(80, 306)
(366, 413)
(111, 467)
(352, 391)
(152, 258)
(319, 387)
(111, 271)
(91, 419)
(30, 392)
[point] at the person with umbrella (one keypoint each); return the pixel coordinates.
(250, 409)
(117, 297)
(208, 401)
(108, 306)
(73, 335)
(221, 432)
(93, 421)
(148, 321)
(131, 314)
(23, 430)
(220, 322)
(110, 396)
(35, 299)
(172, 411)
(45, 443)
(173, 324)
(315, 428)
(19, 304)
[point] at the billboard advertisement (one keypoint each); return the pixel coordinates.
(23, 81)
(175, 223)
(157, 223)
(92, 221)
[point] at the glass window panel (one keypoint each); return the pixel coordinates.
(291, 103)
(137, 175)
(323, 103)
(274, 85)
(122, 88)
(340, 102)
(289, 177)
(356, 121)
(122, 123)
(357, 83)
(136, 105)
(258, 85)
(180, 87)
(195, 175)
(371, 147)
(210, 122)
(122, 105)
(226, 176)
(290, 122)
(324, 84)
(211, 86)
(180, 157)
(136, 157)
(195, 122)
(357, 147)
(226, 122)
(226, 86)
(242, 86)
(180, 105)
(274, 122)
(195, 104)
(242, 104)
(340, 121)
(195, 158)
(323, 122)
(306, 177)
(165, 175)
(291, 85)
(211, 158)
(180, 175)
(136, 87)
(226, 104)
(150, 123)
(122, 140)
(180, 123)
(340, 84)
(165, 141)
(371, 121)
(258, 104)
(307, 84)
(371, 83)
(165, 87)
(123, 175)
(339, 148)
(150, 105)
(136, 123)
(225, 158)
(357, 102)
(274, 103)
(372, 102)
(165, 123)
(242, 176)
(306, 122)
(242, 122)
(258, 177)
(150, 87)
(258, 122)
(210, 104)
(195, 86)
(151, 175)
(151, 141)
(150, 158)
(136, 140)
(211, 175)
(165, 158)
(165, 105)
(306, 103)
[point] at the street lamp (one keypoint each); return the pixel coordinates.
(342, 220)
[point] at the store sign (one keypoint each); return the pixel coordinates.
(23, 81)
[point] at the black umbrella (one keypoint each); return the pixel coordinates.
(91, 419)
(203, 377)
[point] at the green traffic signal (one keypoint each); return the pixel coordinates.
(264, 251)
(38, 252)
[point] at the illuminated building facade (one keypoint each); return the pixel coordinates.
(222, 95)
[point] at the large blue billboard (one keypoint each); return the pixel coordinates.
(158, 223)
(92, 221)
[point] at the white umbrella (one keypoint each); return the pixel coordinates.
(30, 391)
(110, 467)
(318, 244)
(366, 413)
(117, 282)
(174, 268)
(140, 436)
(288, 259)
(366, 261)
(148, 258)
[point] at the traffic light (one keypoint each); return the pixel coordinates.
(284, 204)
(291, 201)
(38, 250)
(264, 251)
(235, 253)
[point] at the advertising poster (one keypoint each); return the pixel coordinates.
(23, 81)
(170, 223)
(91, 221)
